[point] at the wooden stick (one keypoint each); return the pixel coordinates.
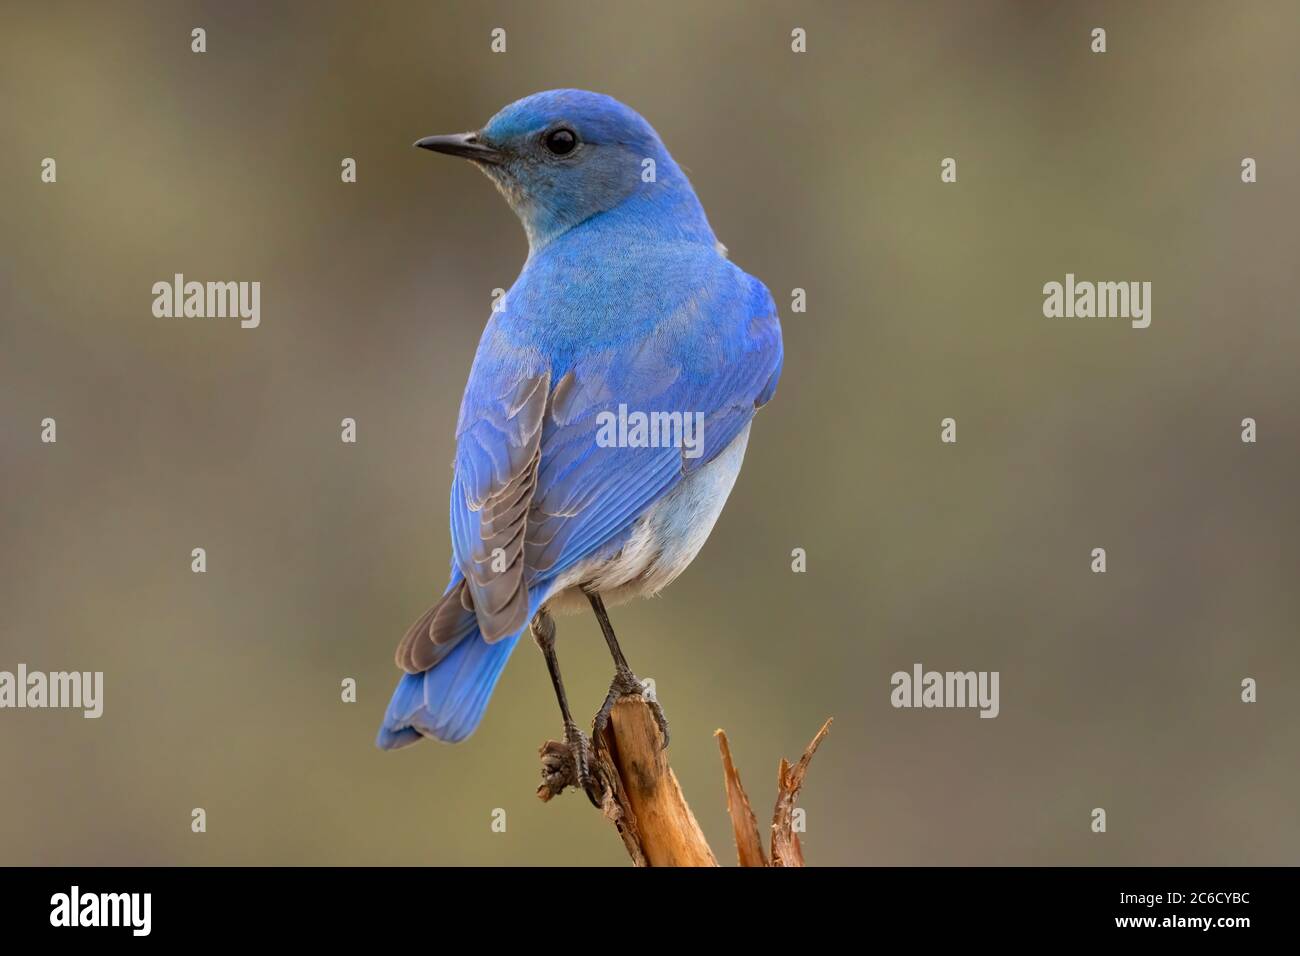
(744, 825)
(633, 786)
(634, 746)
(786, 850)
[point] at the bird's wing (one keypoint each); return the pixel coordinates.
(588, 494)
(497, 458)
(533, 477)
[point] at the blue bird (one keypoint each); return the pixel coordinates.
(607, 410)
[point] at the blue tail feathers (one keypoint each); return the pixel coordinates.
(447, 701)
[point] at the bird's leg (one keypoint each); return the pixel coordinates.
(543, 630)
(625, 683)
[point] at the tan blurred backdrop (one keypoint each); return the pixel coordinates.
(820, 171)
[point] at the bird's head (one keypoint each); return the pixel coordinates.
(564, 156)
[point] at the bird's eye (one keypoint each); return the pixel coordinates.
(561, 141)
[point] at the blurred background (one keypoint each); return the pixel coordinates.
(819, 171)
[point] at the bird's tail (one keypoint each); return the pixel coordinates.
(447, 700)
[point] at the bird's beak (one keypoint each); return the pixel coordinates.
(466, 145)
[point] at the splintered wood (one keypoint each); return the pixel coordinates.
(635, 788)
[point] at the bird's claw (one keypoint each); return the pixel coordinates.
(626, 684)
(567, 763)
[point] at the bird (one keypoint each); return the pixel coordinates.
(627, 305)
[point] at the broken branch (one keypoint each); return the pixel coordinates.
(636, 790)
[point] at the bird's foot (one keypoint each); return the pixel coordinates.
(568, 763)
(627, 684)
(580, 748)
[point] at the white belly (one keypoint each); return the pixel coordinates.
(663, 541)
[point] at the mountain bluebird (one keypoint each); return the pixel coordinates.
(607, 410)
